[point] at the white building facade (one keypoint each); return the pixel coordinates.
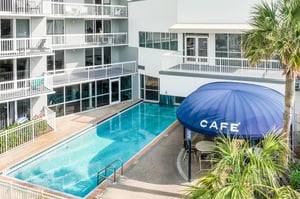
(67, 55)
(76, 55)
(184, 44)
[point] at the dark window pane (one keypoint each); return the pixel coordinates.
(102, 100)
(156, 40)
(165, 38)
(98, 56)
(152, 95)
(89, 57)
(125, 82)
(142, 81)
(149, 40)
(88, 89)
(126, 95)
(72, 92)
(221, 42)
(174, 42)
(88, 104)
(107, 55)
(151, 83)
(50, 63)
(102, 87)
(59, 59)
(142, 39)
(72, 107)
(57, 97)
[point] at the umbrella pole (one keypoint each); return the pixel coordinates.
(189, 140)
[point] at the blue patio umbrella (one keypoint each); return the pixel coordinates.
(240, 109)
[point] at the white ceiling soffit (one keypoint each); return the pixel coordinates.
(210, 28)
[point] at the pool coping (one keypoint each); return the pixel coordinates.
(94, 193)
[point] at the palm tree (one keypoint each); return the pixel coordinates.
(242, 171)
(276, 33)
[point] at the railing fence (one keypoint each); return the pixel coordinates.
(21, 134)
(10, 190)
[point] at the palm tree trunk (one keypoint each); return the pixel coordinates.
(289, 105)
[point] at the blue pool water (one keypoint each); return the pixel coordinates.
(72, 166)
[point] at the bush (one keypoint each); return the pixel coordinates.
(294, 177)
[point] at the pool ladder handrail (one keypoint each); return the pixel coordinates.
(101, 178)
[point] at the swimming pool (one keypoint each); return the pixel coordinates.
(72, 166)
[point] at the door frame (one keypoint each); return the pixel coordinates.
(189, 59)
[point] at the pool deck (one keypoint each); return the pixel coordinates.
(153, 174)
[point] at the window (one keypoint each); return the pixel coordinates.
(126, 88)
(149, 88)
(57, 97)
(142, 39)
(72, 92)
(94, 56)
(23, 68)
(59, 60)
(55, 27)
(6, 28)
(22, 28)
(158, 40)
(228, 46)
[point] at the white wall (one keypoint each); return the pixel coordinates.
(215, 11)
(183, 86)
(152, 59)
(74, 26)
(74, 58)
(150, 15)
(38, 26)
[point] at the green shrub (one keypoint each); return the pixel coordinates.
(294, 176)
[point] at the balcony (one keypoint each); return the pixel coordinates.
(21, 7)
(14, 47)
(87, 40)
(77, 10)
(92, 73)
(25, 88)
(268, 69)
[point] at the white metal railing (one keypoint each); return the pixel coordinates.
(6, 76)
(10, 190)
(50, 116)
(23, 46)
(93, 39)
(86, 10)
(23, 7)
(25, 87)
(90, 73)
(21, 134)
(224, 66)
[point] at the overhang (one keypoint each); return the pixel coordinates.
(210, 28)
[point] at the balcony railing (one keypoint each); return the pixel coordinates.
(223, 66)
(8, 76)
(88, 40)
(23, 47)
(91, 73)
(22, 7)
(24, 88)
(78, 10)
